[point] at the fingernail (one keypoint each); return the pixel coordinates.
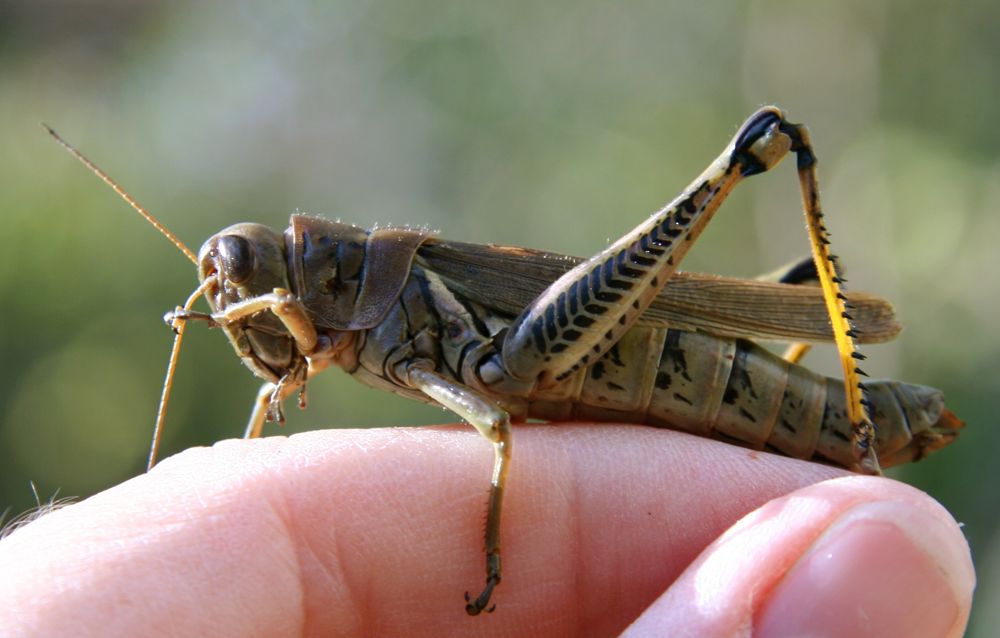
(882, 569)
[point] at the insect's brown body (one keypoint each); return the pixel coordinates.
(498, 334)
(715, 386)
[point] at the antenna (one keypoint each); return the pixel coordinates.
(124, 195)
(178, 325)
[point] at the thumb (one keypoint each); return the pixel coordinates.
(854, 556)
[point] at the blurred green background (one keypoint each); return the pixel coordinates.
(555, 125)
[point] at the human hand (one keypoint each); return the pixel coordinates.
(340, 532)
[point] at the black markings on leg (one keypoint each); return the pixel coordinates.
(538, 335)
(574, 293)
(550, 323)
(624, 269)
(646, 247)
(561, 310)
(752, 130)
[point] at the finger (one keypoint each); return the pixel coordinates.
(856, 556)
(349, 531)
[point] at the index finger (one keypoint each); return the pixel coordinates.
(381, 530)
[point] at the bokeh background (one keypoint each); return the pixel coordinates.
(556, 125)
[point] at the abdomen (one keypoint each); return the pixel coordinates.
(737, 391)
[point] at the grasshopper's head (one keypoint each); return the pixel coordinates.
(235, 266)
(242, 263)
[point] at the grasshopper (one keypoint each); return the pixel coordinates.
(501, 334)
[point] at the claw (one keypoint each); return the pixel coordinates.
(475, 607)
(170, 318)
(274, 412)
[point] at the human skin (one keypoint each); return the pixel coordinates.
(379, 532)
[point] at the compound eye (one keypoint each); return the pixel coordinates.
(237, 256)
